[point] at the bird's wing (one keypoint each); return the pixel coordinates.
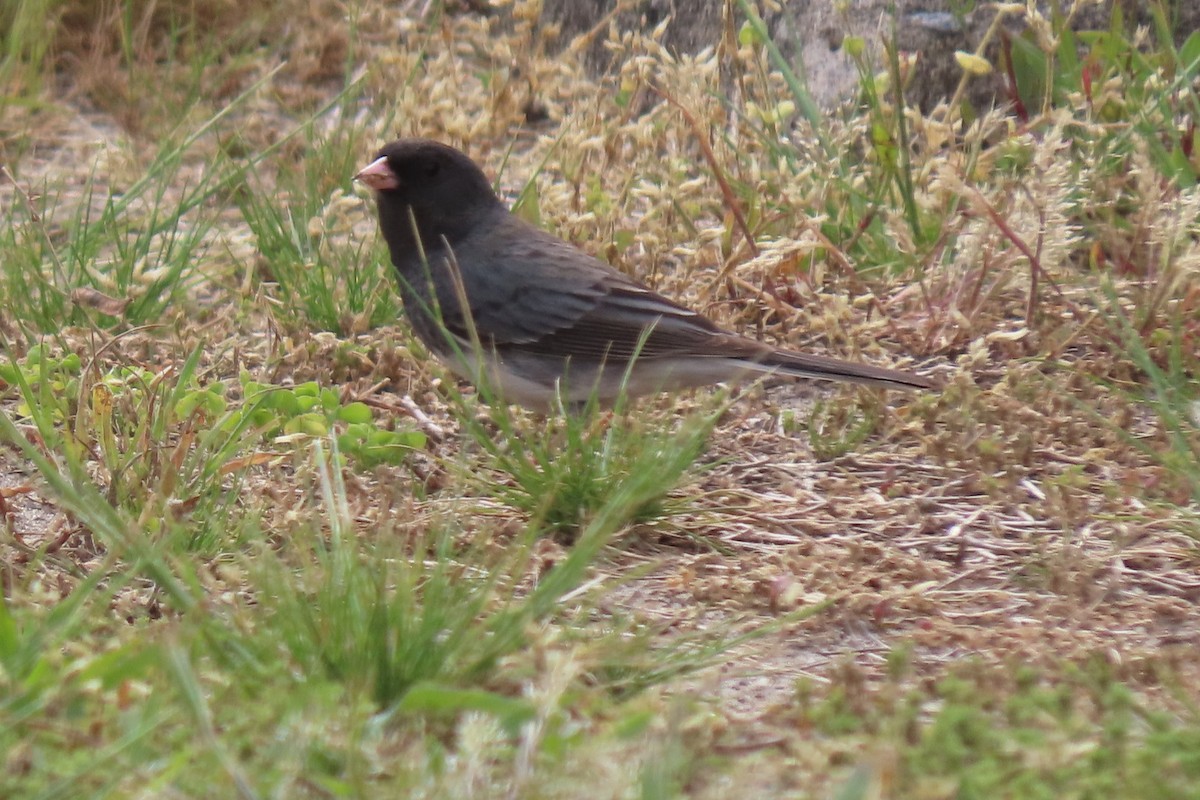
(629, 320)
(520, 283)
(533, 291)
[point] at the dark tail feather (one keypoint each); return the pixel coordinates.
(787, 362)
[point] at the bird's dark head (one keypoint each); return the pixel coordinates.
(445, 191)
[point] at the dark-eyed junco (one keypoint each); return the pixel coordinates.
(544, 318)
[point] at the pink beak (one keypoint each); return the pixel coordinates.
(378, 175)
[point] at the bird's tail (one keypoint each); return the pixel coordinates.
(788, 362)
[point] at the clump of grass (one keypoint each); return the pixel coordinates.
(124, 254)
(1160, 352)
(564, 474)
(302, 230)
(426, 613)
(172, 449)
(166, 449)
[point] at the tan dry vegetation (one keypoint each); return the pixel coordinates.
(1010, 519)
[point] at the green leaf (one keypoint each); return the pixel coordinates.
(188, 403)
(355, 413)
(306, 403)
(312, 424)
(284, 401)
(1029, 70)
(412, 439)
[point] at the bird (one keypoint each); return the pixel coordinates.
(545, 324)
